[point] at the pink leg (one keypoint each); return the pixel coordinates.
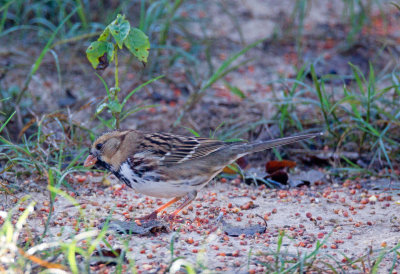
(153, 215)
(188, 199)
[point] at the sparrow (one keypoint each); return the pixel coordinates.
(165, 165)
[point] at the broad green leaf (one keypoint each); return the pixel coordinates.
(100, 54)
(119, 29)
(104, 36)
(138, 44)
(115, 106)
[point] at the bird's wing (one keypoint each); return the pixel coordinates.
(173, 149)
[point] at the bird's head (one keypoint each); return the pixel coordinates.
(111, 149)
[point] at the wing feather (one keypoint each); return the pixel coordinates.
(173, 149)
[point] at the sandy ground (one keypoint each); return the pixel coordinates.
(348, 218)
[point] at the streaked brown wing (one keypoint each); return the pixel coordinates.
(173, 149)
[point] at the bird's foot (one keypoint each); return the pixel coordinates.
(148, 217)
(172, 218)
(169, 217)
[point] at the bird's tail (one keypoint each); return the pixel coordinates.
(242, 150)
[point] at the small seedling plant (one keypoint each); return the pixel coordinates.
(101, 53)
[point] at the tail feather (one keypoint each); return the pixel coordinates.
(263, 145)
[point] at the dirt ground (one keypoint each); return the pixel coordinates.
(352, 219)
(261, 80)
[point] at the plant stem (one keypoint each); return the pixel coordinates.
(116, 114)
(116, 88)
(116, 74)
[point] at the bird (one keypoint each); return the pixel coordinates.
(166, 165)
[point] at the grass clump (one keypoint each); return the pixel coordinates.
(361, 116)
(75, 253)
(317, 260)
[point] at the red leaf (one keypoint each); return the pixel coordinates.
(273, 166)
(242, 162)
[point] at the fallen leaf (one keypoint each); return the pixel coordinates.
(229, 170)
(306, 177)
(279, 176)
(106, 256)
(258, 177)
(237, 231)
(241, 162)
(273, 166)
(145, 228)
(41, 262)
(298, 183)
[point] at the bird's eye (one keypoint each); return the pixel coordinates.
(99, 146)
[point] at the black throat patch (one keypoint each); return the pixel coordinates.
(103, 165)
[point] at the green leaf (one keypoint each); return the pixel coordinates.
(104, 36)
(138, 44)
(119, 29)
(235, 90)
(115, 106)
(99, 54)
(195, 133)
(100, 108)
(224, 68)
(6, 122)
(138, 88)
(396, 5)
(72, 257)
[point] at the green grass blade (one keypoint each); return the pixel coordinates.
(138, 88)
(7, 121)
(225, 65)
(39, 60)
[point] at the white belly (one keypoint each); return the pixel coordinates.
(170, 189)
(161, 189)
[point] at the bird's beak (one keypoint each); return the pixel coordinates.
(90, 161)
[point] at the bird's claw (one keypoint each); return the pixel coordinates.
(169, 217)
(148, 217)
(172, 218)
